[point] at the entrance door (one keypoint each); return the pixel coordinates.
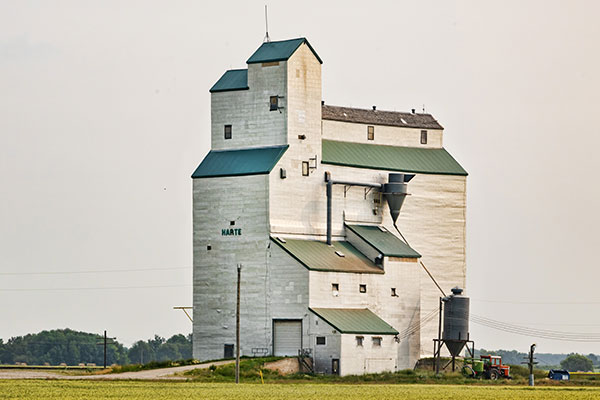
(287, 337)
(228, 351)
(335, 366)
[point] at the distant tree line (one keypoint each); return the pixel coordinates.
(514, 357)
(72, 347)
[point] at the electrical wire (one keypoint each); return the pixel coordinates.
(93, 271)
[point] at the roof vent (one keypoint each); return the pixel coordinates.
(412, 110)
(340, 254)
(374, 108)
(322, 102)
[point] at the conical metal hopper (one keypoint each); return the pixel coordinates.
(394, 193)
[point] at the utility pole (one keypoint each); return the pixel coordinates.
(104, 343)
(237, 327)
(530, 361)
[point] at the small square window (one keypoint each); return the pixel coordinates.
(359, 340)
(362, 288)
(274, 103)
(394, 292)
(370, 133)
(209, 247)
(376, 341)
(321, 341)
(305, 168)
(335, 289)
(227, 131)
(423, 137)
(232, 223)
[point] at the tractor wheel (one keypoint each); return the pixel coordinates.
(494, 374)
(468, 371)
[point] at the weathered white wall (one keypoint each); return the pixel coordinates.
(366, 359)
(294, 208)
(386, 135)
(400, 312)
(323, 354)
(248, 112)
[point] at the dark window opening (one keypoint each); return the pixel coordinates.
(335, 289)
(423, 137)
(274, 103)
(376, 341)
(228, 351)
(227, 131)
(362, 288)
(321, 340)
(209, 247)
(231, 223)
(394, 292)
(370, 133)
(359, 340)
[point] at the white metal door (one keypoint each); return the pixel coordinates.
(287, 338)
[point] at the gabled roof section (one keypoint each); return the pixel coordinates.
(383, 241)
(355, 320)
(279, 51)
(254, 161)
(319, 256)
(377, 117)
(234, 79)
(390, 158)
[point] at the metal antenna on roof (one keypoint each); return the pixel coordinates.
(267, 39)
(423, 108)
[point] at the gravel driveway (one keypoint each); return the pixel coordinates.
(151, 374)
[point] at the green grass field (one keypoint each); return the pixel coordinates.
(54, 389)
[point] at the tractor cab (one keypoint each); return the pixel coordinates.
(494, 368)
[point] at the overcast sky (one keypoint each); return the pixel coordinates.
(105, 113)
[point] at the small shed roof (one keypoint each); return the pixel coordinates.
(234, 79)
(279, 51)
(383, 241)
(379, 117)
(319, 256)
(391, 158)
(353, 320)
(254, 161)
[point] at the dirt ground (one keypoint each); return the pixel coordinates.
(152, 374)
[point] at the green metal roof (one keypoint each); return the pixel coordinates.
(391, 158)
(384, 241)
(319, 256)
(234, 79)
(352, 320)
(253, 161)
(279, 51)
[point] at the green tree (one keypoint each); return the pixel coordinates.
(577, 362)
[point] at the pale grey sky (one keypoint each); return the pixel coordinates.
(105, 112)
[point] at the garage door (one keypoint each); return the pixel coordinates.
(287, 338)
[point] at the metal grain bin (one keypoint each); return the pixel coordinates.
(456, 321)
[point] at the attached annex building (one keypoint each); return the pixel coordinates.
(362, 304)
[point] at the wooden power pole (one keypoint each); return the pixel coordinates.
(237, 327)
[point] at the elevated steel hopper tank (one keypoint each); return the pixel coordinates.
(456, 321)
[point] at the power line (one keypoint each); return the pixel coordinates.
(92, 288)
(93, 271)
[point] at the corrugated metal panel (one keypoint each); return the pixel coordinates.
(279, 51)
(239, 162)
(318, 256)
(351, 320)
(384, 241)
(287, 338)
(234, 79)
(379, 117)
(391, 158)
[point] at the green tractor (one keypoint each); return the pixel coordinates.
(486, 367)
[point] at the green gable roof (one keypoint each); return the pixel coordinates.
(279, 51)
(384, 241)
(391, 158)
(254, 161)
(319, 256)
(353, 320)
(234, 79)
